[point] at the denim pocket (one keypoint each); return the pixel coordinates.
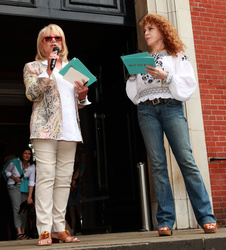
(174, 103)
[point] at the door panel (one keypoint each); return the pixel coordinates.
(112, 203)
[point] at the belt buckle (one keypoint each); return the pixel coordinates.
(156, 101)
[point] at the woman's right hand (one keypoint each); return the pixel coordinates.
(53, 55)
(17, 179)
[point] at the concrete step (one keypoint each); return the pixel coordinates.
(193, 239)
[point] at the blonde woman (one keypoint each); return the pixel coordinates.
(55, 132)
(159, 95)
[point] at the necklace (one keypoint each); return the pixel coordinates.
(158, 51)
(24, 165)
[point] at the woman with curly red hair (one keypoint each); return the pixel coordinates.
(159, 95)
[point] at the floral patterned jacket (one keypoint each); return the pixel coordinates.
(46, 119)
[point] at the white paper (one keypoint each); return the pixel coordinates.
(74, 75)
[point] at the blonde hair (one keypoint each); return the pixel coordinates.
(172, 42)
(41, 55)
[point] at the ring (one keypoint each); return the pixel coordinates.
(79, 88)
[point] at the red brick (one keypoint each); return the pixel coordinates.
(221, 144)
(219, 182)
(217, 204)
(219, 123)
(223, 204)
(219, 216)
(221, 138)
(221, 113)
(218, 171)
(220, 193)
(209, 30)
(218, 210)
(216, 188)
(198, 10)
(217, 199)
(213, 182)
(214, 176)
(210, 133)
(219, 102)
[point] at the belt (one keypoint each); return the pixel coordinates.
(157, 101)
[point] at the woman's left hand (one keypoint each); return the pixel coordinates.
(156, 72)
(81, 89)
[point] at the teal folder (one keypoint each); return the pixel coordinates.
(79, 66)
(136, 63)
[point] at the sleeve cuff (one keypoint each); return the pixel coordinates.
(45, 75)
(132, 78)
(168, 79)
(84, 102)
(8, 174)
(31, 183)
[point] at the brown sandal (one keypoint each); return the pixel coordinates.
(63, 236)
(44, 239)
(210, 227)
(164, 231)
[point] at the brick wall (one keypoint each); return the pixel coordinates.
(209, 28)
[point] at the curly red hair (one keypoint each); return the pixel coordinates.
(173, 43)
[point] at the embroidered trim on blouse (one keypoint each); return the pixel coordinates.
(155, 91)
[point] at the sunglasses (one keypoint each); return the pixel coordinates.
(50, 38)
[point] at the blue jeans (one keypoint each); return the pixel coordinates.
(169, 118)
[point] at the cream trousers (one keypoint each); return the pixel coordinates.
(54, 168)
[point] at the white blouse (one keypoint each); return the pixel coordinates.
(71, 131)
(28, 173)
(180, 83)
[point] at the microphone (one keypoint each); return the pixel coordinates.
(53, 61)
